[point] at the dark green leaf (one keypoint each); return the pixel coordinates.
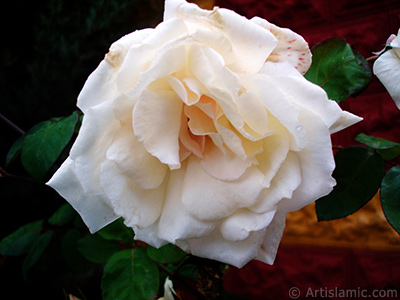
(44, 143)
(358, 173)
(21, 240)
(339, 70)
(390, 154)
(78, 222)
(97, 249)
(117, 231)
(390, 197)
(36, 251)
(15, 150)
(189, 271)
(70, 252)
(130, 275)
(63, 215)
(167, 254)
(387, 149)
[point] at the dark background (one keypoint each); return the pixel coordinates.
(49, 48)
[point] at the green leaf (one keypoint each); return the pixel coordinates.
(375, 142)
(339, 70)
(358, 173)
(117, 231)
(20, 241)
(390, 154)
(189, 271)
(70, 252)
(97, 249)
(63, 215)
(36, 252)
(44, 143)
(15, 150)
(168, 254)
(387, 149)
(78, 222)
(390, 197)
(130, 275)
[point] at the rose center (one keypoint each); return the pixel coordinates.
(197, 124)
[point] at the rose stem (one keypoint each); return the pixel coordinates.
(12, 124)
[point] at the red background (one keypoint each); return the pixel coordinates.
(365, 24)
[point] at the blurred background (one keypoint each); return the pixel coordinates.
(51, 46)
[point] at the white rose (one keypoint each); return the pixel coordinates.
(387, 68)
(203, 133)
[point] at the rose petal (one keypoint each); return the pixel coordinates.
(101, 85)
(276, 148)
(223, 85)
(305, 94)
(199, 122)
(170, 58)
(285, 181)
(248, 39)
(153, 110)
(387, 69)
(238, 253)
(194, 88)
(223, 166)
(208, 67)
(175, 222)
(243, 222)
(180, 89)
(231, 137)
(244, 148)
(98, 129)
(346, 119)
(282, 68)
(317, 164)
(141, 56)
(193, 143)
(278, 103)
(272, 238)
(308, 95)
(207, 198)
(254, 114)
(149, 235)
(395, 42)
(134, 162)
(291, 48)
(219, 42)
(139, 207)
(94, 209)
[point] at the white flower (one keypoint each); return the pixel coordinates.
(168, 290)
(203, 133)
(387, 68)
